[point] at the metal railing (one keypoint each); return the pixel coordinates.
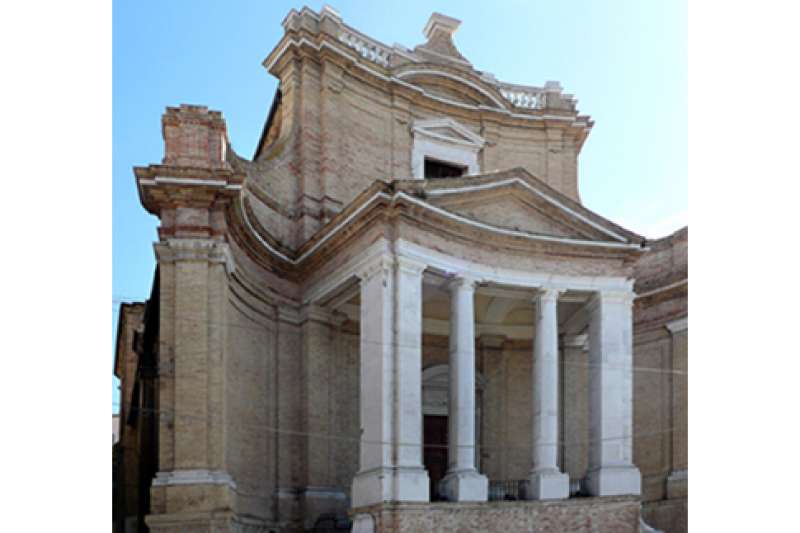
(506, 489)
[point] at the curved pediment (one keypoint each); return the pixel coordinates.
(453, 85)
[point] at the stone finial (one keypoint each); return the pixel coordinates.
(439, 47)
(439, 22)
(194, 137)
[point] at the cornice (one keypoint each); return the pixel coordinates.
(393, 203)
(393, 75)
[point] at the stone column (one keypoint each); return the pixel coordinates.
(677, 481)
(462, 481)
(611, 470)
(391, 385)
(546, 481)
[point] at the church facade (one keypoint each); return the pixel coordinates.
(398, 315)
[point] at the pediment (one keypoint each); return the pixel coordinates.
(519, 204)
(508, 211)
(458, 86)
(448, 130)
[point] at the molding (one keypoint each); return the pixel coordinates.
(358, 62)
(319, 314)
(440, 211)
(409, 265)
(472, 139)
(289, 315)
(461, 282)
(547, 293)
(193, 477)
(678, 475)
(664, 288)
(515, 233)
(347, 271)
(195, 249)
(678, 326)
(167, 180)
(511, 276)
(459, 79)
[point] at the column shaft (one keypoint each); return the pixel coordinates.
(462, 482)
(546, 481)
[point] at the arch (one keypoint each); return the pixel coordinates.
(435, 391)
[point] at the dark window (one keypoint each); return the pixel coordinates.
(438, 169)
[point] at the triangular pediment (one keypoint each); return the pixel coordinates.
(507, 210)
(518, 202)
(448, 130)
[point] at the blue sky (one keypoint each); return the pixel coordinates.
(625, 60)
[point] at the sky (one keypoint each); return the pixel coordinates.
(625, 60)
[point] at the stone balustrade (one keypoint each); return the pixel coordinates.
(530, 98)
(366, 48)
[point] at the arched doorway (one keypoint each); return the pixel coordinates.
(435, 410)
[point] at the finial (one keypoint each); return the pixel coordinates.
(440, 22)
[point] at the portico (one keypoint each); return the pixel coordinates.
(392, 279)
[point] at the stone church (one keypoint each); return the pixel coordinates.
(398, 315)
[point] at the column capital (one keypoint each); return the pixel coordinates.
(209, 250)
(547, 293)
(462, 282)
(381, 263)
(319, 314)
(410, 266)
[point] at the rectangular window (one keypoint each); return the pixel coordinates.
(439, 169)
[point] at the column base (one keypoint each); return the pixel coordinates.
(614, 481)
(317, 501)
(678, 484)
(387, 484)
(547, 485)
(465, 486)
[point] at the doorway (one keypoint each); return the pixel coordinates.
(434, 438)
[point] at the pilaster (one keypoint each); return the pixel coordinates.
(611, 469)
(678, 479)
(575, 405)
(391, 390)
